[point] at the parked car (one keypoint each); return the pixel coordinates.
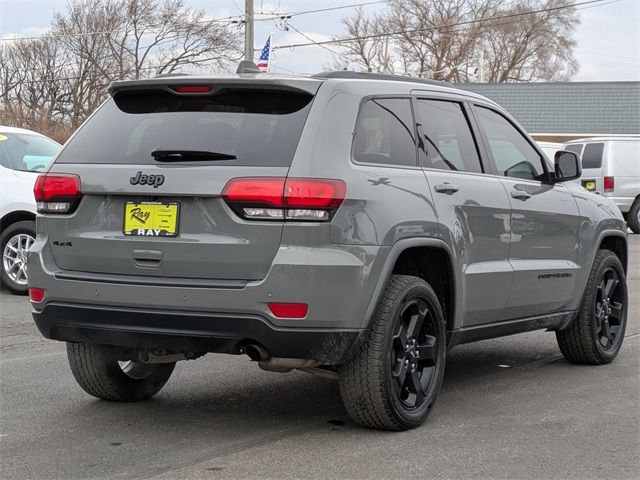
(611, 168)
(550, 148)
(23, 154)
(349, 225)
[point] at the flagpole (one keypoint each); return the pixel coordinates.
(270, 47)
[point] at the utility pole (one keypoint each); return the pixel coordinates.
(481, 66)
(248, 30)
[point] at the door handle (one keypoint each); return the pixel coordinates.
(520, 195)
(448, 188)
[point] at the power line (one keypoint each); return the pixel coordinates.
(305, 12)
(442, 27)
(312, 40)
(231, 19)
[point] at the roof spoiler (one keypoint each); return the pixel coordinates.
(247, 66)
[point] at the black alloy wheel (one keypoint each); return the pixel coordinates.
(392, 380)
(414, 353)
(596, 334)
(609, 309)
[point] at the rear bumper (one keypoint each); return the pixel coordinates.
(191, 331)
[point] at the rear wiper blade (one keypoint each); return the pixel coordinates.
(189, 155)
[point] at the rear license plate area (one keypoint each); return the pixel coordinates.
(151, 219)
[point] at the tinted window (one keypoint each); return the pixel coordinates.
(512, 154)
(592, 156)
(259, 127)
(26, 152)
(576, 148)
(385, 132)
(448, 141)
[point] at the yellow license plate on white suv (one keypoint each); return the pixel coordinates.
(151, 219)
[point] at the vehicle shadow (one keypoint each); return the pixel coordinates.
(231, 396)
(218, 405)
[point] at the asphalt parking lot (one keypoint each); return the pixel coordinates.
(509, 408)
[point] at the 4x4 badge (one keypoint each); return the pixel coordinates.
(142, 179)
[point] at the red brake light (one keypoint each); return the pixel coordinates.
(265, 191)
(609, 184)
(279, 198)
(289, 310)
(314, 193)
(36, 295)
(56, 185)
(57, 192)
(192, 88)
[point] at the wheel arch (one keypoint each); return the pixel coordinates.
(14, 217)
(415, 256)
(616, 242)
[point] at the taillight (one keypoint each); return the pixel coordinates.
(56, 192)
(278, 198)
(609, 184)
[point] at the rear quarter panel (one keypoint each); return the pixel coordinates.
(383, 204)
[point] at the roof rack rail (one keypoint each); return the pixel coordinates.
(379, 76)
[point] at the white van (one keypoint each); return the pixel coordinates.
(550, 149)
(611, 167)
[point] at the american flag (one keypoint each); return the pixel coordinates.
(263, 62)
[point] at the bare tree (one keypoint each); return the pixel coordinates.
(370, 50)
(60, 78)
(538, 46)
(442, 39)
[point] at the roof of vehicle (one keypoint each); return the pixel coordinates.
(306, 83)
(549, 144)
(4, 129)
(630, 138)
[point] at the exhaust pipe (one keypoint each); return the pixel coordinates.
(276, 364)
(256, 353)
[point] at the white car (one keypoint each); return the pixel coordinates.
(23, 154)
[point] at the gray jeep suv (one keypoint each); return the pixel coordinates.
(350, 225)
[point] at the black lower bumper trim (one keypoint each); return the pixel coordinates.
(191, 331)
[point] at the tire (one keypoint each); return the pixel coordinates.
(100, 372)
(633, 217)
(378, 384)
(595, 336)
(14, 242)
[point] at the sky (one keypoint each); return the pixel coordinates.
(608, 36)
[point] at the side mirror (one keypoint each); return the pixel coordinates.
(567, 166)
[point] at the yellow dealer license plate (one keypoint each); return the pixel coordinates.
(589, 185)
(151, 219)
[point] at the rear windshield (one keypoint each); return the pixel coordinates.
(26, 152)
(258, 127)
(592, 156)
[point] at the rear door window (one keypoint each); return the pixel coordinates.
(258, 127)
(385, 133)
(592, 156)
(448, 142)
